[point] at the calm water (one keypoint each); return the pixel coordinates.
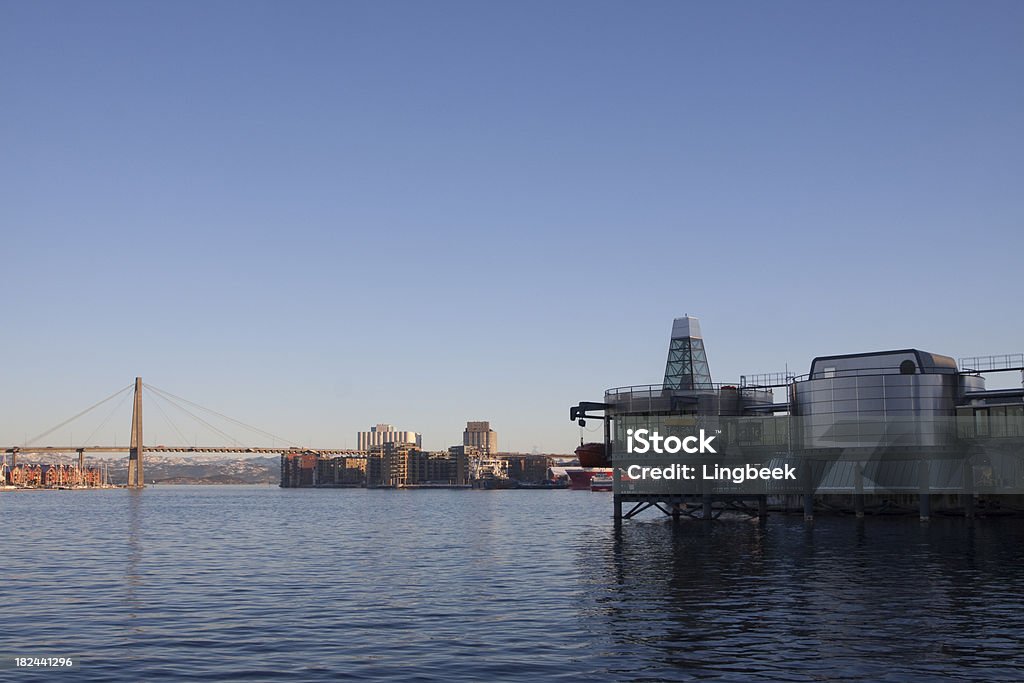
(256, 583)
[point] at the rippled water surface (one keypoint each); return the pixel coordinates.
(258, 583)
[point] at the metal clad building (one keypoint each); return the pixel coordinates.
(887, 398)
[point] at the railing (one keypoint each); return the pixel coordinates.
(660, 389)
(1013, 361)
(658, 397)
(832, 373)
(767, 380)
(1008, 361)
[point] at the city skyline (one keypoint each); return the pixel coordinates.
(321, 217)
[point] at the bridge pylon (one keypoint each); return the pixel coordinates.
(135, 478)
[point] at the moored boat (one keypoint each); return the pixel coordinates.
(546, 485)
(579, 477)
(593, 455)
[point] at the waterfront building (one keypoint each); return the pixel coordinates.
(897, 429)
(341, 471)
(390, 465)
(298, 470)
(403, 465)
(470, 453)
(440, 468)
(481, 436)
(458, 467)
(56, 475)
(27, 475)
(375, 466)
(395, 463)
(527, 468)
(303, 470)
(15, 475)
(92, 476)
(381, 434)
(49, 475)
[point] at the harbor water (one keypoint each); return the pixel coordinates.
(258, 583)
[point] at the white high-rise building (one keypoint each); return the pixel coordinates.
(384, 433)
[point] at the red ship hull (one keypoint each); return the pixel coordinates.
(593, 455)
(579, 477)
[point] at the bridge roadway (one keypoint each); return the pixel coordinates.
(41, 450)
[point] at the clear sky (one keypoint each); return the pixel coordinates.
(317, 216)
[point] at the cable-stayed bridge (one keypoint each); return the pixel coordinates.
(136, 447)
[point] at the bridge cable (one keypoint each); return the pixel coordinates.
(166, 416)
(167, 394)
(72, 419)
(117, 406)
(196, 417)
(224, 417)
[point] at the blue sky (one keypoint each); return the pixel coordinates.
(317, 216)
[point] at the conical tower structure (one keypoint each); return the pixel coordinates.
(687, 365)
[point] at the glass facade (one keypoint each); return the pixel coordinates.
(687, 365)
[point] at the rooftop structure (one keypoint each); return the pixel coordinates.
(687, 364)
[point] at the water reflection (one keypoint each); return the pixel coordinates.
(186, 583)
(866, 597)
(132, 575)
